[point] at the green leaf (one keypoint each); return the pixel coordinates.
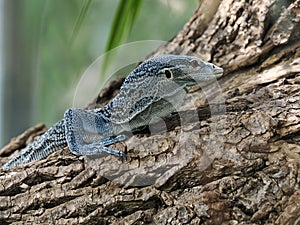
(79, 20)
(123, 21)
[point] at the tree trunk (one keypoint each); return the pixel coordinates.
(230, 156)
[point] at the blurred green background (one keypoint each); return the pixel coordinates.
(48, 44)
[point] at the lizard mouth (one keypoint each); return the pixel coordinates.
(219, 74)
(206, 76)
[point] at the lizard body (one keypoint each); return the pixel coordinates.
(153, 90)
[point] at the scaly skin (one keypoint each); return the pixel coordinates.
(153, 90)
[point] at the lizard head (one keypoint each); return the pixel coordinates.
(181, 69)
(185, 70)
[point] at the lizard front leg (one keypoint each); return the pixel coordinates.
(89, 133)
(98, 147)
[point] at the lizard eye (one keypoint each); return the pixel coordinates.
(168, 73)
(194, 63)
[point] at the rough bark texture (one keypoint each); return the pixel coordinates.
(237, 163)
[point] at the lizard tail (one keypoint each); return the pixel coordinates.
(51, 141)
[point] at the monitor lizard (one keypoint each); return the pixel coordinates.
(152, 90)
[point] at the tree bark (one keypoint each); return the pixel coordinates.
(231, 154)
